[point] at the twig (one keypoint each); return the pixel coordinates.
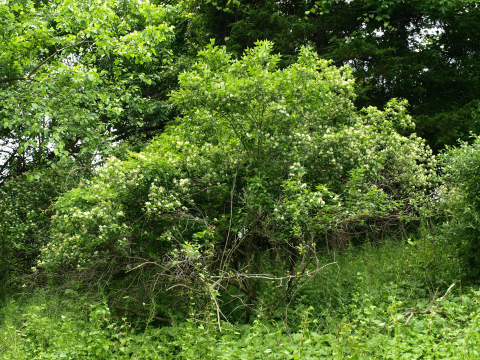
(284, 296)
(136, 313)
(143, 264)
(231, 217)
(239, 286)
(29, 76)
(182, 285)
(433, 299)
(218, 312)
(444, 296)
(51, 56)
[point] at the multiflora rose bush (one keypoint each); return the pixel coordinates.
(261, 166)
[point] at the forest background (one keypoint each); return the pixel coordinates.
(239, 179)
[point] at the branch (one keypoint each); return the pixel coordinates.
(184, 286)
(271, 277)
(410, 314)
(218, 312)
(143, 264)
(5, 164)
(29, 76)
(444, 296)
(289, 290)
(51, 56)
(136, 313)
(130, 130)
(240, 287)
(17, 78)
(429, 311)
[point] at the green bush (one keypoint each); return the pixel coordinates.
(94, 336)
(264, 164)
(459, 198)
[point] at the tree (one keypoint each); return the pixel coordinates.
(77, 76)
(422, 51)
(77, 81)
(235, 198)
(25, 211)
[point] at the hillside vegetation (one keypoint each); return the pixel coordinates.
(167, 195)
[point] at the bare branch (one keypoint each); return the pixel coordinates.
(136, 313)
(273, 278)
(429, 311)
(17, 78)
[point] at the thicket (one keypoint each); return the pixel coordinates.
(357, 310)
(163, 196)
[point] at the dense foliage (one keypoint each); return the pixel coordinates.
(25, 220)
(239, 179)
(357, 314)
(424, 51)
(76, 76)
(461, 202)
(227, 186)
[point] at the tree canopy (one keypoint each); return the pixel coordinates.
(76, 76)
(422, 51)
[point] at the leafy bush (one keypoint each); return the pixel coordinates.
(25, 211)
(459, 199)
(264, 165)
(356, 310)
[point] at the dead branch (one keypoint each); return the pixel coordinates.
(411, 312)
(240, 287)
(143, 264)
(184, 286)
(136, 313)
(273, 278)
(444, 296)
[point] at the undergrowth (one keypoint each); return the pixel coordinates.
(368, 306)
